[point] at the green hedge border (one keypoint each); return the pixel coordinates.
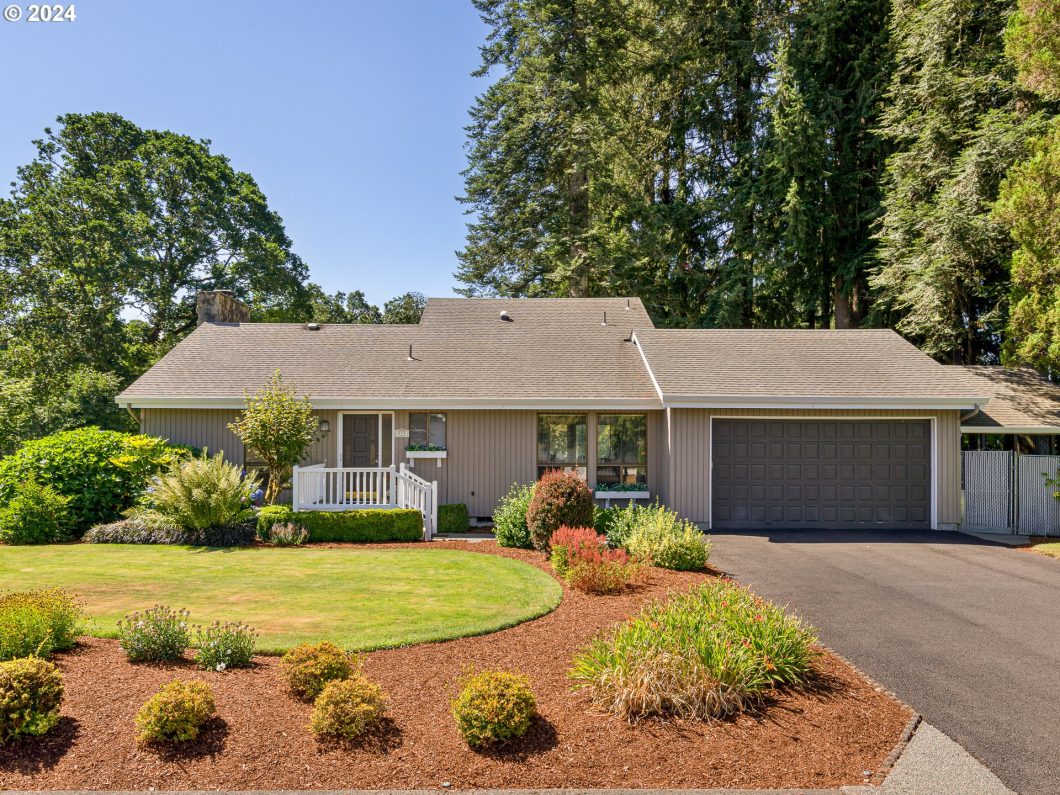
(453, 518)
(364, 526)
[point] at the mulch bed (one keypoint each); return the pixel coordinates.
(827, 736)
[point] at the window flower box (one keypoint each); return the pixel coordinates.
(614, 491)
(412, 452)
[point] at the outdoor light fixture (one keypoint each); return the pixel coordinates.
(325, 426)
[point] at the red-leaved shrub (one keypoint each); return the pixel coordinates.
(566, 542)
(561, 498)
(584, 560)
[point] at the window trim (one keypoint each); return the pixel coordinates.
(541, 467)
(428, 415)
(379, 416)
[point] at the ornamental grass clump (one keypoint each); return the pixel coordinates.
(176, 713)
(348, 708)
(39, 622)
(224, 645)
(288, 534)
(560, 498)
(307, 668)
(31, 692)
(707, 653)
(493, 707)
(154, 635)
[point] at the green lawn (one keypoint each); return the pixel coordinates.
(1050, 548)
(359, 598)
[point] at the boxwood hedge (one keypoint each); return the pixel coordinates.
(364, 526)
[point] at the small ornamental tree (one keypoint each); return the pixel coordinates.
(279, 427)
(561, 498)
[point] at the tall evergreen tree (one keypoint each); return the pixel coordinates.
(1029, 204)
(957, 125)
(823, 161)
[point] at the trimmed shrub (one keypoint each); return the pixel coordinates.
(365, 526)
(493, 707)
(35, 514)
(659, 537)
(31, 692)
(224, 645)
(136, 531)
(307, 668)
(176, 713)
(197, 495)
(509, 517)
(288, 534)
(102, 472)
(561, 498)
(453, 518)
(706, 653)
(603, 520)
(155, 635)
(347, 708)
(38, 623)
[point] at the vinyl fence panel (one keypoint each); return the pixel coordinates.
(1038, 511)
(988, 486)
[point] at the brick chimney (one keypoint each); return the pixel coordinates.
(220, 306)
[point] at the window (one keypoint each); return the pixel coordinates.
(622, 448)
(427, 431)
(562, 443)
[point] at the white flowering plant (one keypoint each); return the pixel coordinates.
(224, 645)
(154, 635)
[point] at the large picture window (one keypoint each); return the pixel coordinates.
(562, 443)
(622, 448)
(427, 431)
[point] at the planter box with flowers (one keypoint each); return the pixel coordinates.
(620, 491)
(414, 451)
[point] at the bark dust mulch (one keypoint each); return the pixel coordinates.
(825, 737)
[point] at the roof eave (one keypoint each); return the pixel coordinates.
(837, 402)
(384, 403)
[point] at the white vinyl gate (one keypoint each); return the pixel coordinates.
(1007, 492)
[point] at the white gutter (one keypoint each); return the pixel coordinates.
(559, 404)
(1027, 430)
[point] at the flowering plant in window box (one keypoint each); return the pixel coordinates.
(620, 491)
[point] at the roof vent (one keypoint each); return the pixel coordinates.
(627, 303)
(505, 316)
(312, 326)
(605, 319)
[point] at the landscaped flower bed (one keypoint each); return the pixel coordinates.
(825, 736)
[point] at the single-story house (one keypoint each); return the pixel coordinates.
(732, 428)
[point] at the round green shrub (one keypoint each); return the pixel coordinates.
(102, 472)
(509, 517)
(38, 623)
(493, 707)
(35, 514)
(561, 498)
(453, 518)
(176, 713)
(31, 692)
(307, 668)
(347, 708)
(662, 539)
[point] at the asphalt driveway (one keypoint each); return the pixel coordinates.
(965, 631)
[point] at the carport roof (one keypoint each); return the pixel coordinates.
(784, 368)
(1021, 401)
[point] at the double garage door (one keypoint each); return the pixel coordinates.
(827, 474)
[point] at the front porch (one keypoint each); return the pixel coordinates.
(322, 488)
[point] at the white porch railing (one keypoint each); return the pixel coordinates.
(321, 488)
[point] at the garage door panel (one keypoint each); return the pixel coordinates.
(821, 473)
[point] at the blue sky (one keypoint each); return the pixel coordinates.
(349, 115)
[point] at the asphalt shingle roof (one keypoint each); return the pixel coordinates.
(462, 349)
(790, 363)
(1019, 398)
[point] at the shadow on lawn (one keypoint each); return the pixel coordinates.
(34, 755)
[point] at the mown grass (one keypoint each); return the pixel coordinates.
(359, 598)
(1050, 548)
